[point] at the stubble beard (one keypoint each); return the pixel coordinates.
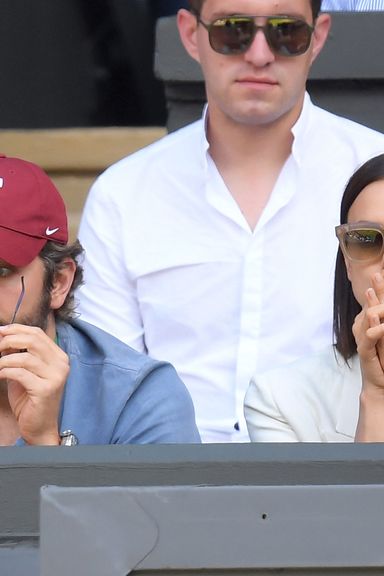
(37, 318)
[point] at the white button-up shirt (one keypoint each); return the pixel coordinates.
(173, 268)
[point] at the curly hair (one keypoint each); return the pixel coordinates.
(53, 256)
(197, 5)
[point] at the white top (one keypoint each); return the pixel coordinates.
(173, 268)
(315, 399)
(354, 5)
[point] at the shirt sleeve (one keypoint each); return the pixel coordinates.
(108, 297)
(160, 411)
(265, 421)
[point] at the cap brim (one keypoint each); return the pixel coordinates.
(19, 249)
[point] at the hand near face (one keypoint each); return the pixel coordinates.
(368, 330)
(36, 370)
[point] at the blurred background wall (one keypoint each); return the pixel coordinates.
(79, 63)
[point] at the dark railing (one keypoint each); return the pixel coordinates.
(23, 471)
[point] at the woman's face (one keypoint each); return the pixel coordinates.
(368, 206)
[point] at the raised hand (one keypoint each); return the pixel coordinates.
(36, 370)
(368, 330)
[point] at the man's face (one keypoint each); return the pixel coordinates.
(257, 87)
(35, 306)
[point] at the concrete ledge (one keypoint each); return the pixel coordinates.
(24, 470)
(74, 157)
(76, 149)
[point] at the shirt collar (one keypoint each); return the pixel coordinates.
(204, 138)
(301, 128)
(299, 131)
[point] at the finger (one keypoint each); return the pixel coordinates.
(47, 352)
(22, 330)
(54, 374)
(367, 327)
(371, 298)
(373, 309)
(378, 286)
(375, 334)
(33, 343)
(35, 340)
(28, 381)
(360, 323)
(366, 343)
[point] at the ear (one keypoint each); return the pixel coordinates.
(320, 34)
(62, 283)
(187, 25)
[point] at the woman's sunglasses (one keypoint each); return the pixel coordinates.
(285, 35)
(362, 242)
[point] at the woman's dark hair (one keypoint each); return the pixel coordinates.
(345, 305)
(197, 5)
(53, 256)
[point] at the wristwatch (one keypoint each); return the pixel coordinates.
(68, 438)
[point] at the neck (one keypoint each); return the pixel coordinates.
(51, 326)
(232, 140)
(250, 159)
(251, 145)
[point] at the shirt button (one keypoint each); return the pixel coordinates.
(237, 426)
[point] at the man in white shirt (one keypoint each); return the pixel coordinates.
(214, 247)
(352, 5)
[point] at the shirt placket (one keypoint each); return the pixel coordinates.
(255, 285)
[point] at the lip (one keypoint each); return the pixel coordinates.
(256, 81)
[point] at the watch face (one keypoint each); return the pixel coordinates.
(68, 438)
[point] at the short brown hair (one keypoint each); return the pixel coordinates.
(197, 5)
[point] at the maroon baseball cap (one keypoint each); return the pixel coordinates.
(31, 211)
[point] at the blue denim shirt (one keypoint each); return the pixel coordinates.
(115, 395)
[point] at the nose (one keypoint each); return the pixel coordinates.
(259, 53)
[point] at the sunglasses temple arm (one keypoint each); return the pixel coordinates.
(19, 301)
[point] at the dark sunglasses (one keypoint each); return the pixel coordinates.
(285, 35)
(362, 242)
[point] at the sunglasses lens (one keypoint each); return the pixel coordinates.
(285, 36)
(231, 35)
(364, 244)
(288, 36)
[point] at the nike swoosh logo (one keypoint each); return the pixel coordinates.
(50, 231)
